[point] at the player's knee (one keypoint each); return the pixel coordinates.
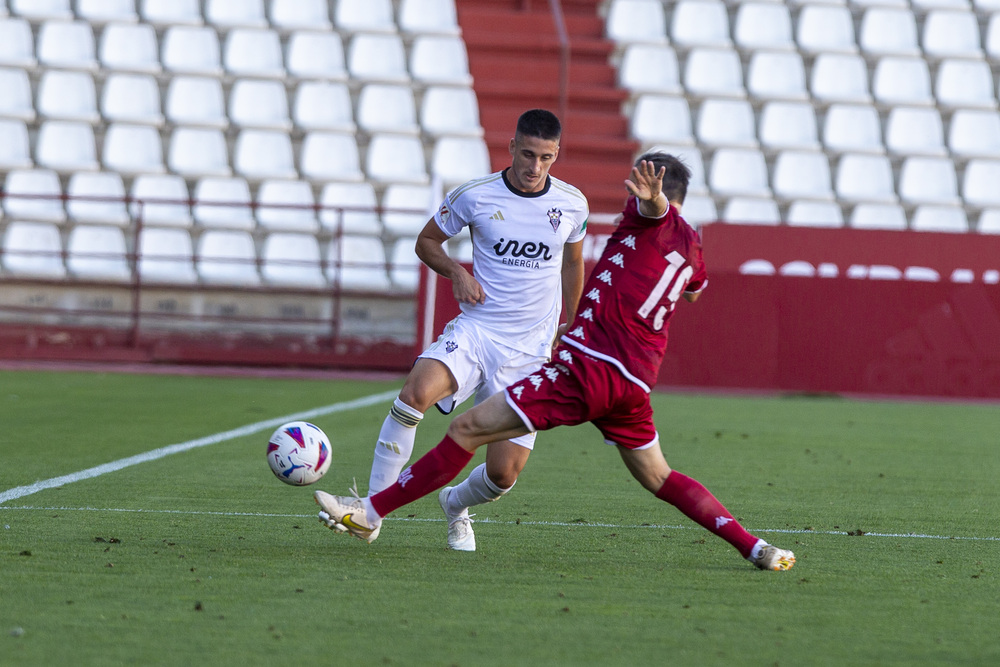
(504, 477)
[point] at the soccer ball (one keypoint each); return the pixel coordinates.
(298, 453)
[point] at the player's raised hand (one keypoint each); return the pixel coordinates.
(466, 288)
(646, 183)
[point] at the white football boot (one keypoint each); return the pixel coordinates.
(345, 513)
(773, 558)
(460, 534)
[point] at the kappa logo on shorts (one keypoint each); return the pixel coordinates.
(450, 346)
(565, 355)
(517, 391)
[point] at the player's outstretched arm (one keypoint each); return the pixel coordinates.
(647, 186)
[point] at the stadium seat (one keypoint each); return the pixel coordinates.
(404, 265)
(699, 209)
(262, 154)
(40, 10)
(227, 257)
(191, 50)
(928, 180)
(661, 119)
(132, 149)
(161, 199)
(751, 211)
(407, 208)
(807, 213)
(949, 34)
(225, 14)
(349, 208)
(316, 55)
(97, 12)
(300, 14)
(777, 75)
(377, 57)
(66, 146)
(902, 81)
(991, 42)
(974, 133)
(822, 28)
(850, 128)
(33, 249)
(196, 100)
(739, 172)
(428, 17)
(223, 202)
(691, 157)
(165, 13)
(914, 131)
(714, 73)
(96, 252)
(387, 108)
(450, 110)
(131, 48)
(97, 197)
(802, 175)
(888, 31)
(286, 206)
(456, 160)
(323, 105)
(700, 23)
(16, 101)
(66, 45)
(867, 215)
(786, 125)
(67, 95)
(636, 21)
(763, 25)
(330, 156)
(33, 194)
(961, 83)
(865, 178)
(930, 218)
(723, 122)
(369, 16)
(394, 158)
(635, 75)
(17, 46)
(357, 263)
(292, 260)
(166, 256)
(259, 104)
(839, 77)
(440, 59)
(198, 151)
(251, 52)
(131, 98)
(979, 184)
(989, 221)
(14, 151)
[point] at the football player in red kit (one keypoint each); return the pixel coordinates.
(603, 372)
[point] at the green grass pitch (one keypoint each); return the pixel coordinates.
(203, 557)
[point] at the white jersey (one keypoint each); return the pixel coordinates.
(517, 255)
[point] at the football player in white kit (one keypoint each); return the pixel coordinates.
(527, 231)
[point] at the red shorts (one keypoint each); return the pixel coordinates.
(575, 388)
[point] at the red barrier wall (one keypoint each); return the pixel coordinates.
(863, 311)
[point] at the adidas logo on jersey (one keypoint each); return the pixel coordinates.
(497, 216)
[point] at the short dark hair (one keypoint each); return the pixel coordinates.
(675, 178)
(539, 123)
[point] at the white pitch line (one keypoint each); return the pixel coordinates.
(557, 524)
(153, 455)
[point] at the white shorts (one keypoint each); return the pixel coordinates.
(480, 365)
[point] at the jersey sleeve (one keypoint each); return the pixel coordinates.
(453, 215)
(699, 279)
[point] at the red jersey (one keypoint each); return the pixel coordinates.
(628, 300)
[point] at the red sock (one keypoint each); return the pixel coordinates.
(699, 505)
(432, 471)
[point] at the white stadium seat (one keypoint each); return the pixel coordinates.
(95, 252)
(867, 178)
(825, 28)
(297, 14)
(991, 42)
(316, 55)
(67, 95)
(33, 194)
(198, 151)
(428, 17)
(227, 257)
(226, 14)
(699, 209)
(107, 11)
(710, 72)
(752, 211)
(723, 122)
(287, 206)
(323, 105)
(97, 197)
(456, 160)
(928, 180)
(440, 59)
(450, 110)
(635, 75)
(17, 46)
(192, 50)
(878, 216)
(974, 133)
(407, 208)
(253, 52)
(33, 249)
(129, 47)
(931, 218)
(38, 10)
(132, 149)
(171, 12)
(369, 16)
(14, 150)
(802, 175)
(850, 128)
(223, 202)
(377, 57)
(260, 104)
(739, 172)
(396, 158)
(330, 156)
(66, 44)
(989, 221)
(350, 208)
(636, 21)
(387, 108)
(166, 256)
(786, 125)
(979, 184)
(777, 75)
(196, 100)
(357, 263)
(131, 98)
(404, 265)
(161, 199)
(902, 81)
(16, 101)
(950, 34)
(700, 23)
(965, 83)
(66, 146)
(839, 77)
(914, 131)
(808, 213)
(661, 119)
(763, 25)
(292, 260)
(888, 31)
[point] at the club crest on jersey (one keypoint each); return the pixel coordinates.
(450, 346)
(555, 217)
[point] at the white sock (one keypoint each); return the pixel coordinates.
(757, 548)
(394, 446)
(374, 520)
(475, 490)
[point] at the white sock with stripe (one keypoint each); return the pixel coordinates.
(477, 489)
(394, 446)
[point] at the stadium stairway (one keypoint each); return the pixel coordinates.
(514, 58)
